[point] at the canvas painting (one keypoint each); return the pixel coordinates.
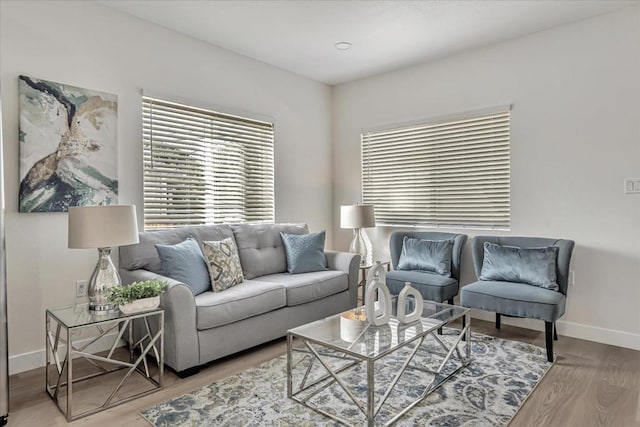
(68, 147)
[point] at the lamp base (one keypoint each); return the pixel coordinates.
(362, 245)
(104, 277)
(103, 309)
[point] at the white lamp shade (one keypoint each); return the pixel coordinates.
(102, 226)
(357, 216)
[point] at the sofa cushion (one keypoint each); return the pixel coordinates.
(249, 298)
(305, 252)
(185, 263)
(432, 286)
(144, 254)
(307, 287)
(260, 247)
(533, 266)
(514, 299)
(433, 256)
(223, 263)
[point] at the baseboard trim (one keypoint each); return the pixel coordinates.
(601, 335)
(571, 329)
(36, 359)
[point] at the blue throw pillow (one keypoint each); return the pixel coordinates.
(185, 263)
(433, 256)
(533, 266)
(305, 252)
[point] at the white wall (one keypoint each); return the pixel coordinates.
(88, 45)
(575, 136)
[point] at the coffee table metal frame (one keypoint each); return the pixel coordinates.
(78, 317)
(314, 348)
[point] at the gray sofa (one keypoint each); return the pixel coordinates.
(208, 326)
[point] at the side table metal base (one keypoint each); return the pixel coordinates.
(114, 328)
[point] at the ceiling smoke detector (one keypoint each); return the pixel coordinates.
(343, 45)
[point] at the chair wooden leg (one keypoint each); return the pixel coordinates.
(548, 336)
(555, 332)
(497, 320)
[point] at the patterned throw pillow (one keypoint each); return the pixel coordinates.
(223, 262)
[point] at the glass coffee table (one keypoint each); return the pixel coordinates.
(357, 373)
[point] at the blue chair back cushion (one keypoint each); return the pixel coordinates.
(426, 255)
(565, 249)
(533, 266)
(397, 238)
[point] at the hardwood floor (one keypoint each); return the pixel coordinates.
(590, 384)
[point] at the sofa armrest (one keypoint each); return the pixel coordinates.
(349, 263)
(181, 349)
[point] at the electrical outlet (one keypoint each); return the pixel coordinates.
(632, 185)
(81, 288)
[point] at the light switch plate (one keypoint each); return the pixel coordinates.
(632, 186)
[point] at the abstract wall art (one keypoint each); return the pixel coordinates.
(68, 147)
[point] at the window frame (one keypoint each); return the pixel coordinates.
(210, 141)
(405, 216)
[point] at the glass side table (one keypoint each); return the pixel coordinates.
(119, 376)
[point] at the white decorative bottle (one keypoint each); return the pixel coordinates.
(378, 312)
(405, 293)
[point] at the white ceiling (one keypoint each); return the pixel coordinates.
(299, 36)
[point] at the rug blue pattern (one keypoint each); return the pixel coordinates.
(488, 392)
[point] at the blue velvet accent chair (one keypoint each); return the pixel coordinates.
(514, 299)
(432, 286)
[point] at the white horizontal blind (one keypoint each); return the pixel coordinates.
(453, 173)
(203, 167)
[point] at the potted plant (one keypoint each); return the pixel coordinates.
(138, 296)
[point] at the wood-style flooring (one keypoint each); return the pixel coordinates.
(590, 384)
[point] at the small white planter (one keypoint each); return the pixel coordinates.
(352, 323)
(138, 305)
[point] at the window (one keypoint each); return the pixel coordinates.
(452, 173)
(203, 167)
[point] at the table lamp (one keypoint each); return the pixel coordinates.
(359, 217)
(102, 227)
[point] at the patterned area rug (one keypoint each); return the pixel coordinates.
(488, 392)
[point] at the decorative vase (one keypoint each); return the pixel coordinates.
(378, 312)
(139, 305)
(405, 293)
(377, 272)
